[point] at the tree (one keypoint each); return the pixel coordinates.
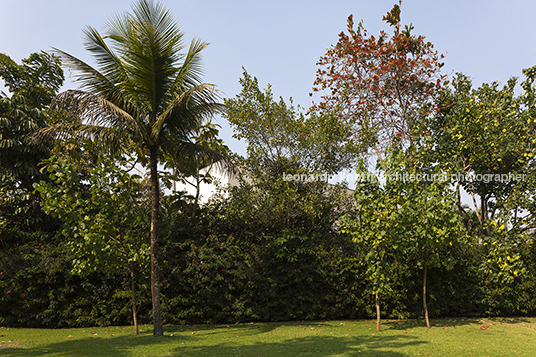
(145, 96)
(377, 85)
(275, 130)
(428, 223)
(104, 216)
(289, 226)
(193, 168)
(484, 139)
(411, 217)
(32, 85)
(375, 233)
(282, 143)
(38, 78)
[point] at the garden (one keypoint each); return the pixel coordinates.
(429, 251)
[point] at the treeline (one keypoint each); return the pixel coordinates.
(93, 232)
(226, 270)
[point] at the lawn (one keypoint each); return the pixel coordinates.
(446, 337)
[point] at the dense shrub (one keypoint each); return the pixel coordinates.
(214, 271)
(38, 289)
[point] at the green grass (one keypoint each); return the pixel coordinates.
(446, 337)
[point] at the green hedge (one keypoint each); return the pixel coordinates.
(219, 273)
(38, 289)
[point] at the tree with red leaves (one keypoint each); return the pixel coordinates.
(378, 85)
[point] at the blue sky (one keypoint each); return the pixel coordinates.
(280, 42)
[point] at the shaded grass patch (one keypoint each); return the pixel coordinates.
(446, 337)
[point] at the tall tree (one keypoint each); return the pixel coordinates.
(484, 138)
(291, 223)
(375, 232)
(32, 85)
(411, 217)
(377, 85)
(275, 130)
(145, 95)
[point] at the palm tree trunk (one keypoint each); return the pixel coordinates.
(424, 296)
(158, 329)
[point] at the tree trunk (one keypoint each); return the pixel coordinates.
(158, 329)
(377, 312)
(134, 299)
(424, 296)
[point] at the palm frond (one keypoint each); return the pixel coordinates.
(105, 137)
(91, 79)
(188, 110)
(150, 44)
(97, 111)
(191, 70)
(189, 157)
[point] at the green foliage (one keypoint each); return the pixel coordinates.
(271, 248)
(104, 217)
(145, 96)
(427, 222)
(38, 289)
(485, 132)
(374, 231)
(483, 139)
(33, 84)
(254, 269)
(195, 167)
(37, 79)
(409, 218)
(105, 220)
(275, 130)
(19, 159)
(268, 248)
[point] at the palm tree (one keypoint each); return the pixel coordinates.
(145, 94)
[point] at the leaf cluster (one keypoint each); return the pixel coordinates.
(104, 215)
(275, 130)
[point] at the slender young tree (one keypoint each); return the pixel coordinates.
(145, 94)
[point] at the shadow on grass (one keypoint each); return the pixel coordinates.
(449, 322)
(180, 342)
(309, 346)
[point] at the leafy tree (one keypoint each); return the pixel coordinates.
(275, 130)
(375, 234)
(104, 216)
(484, 139)
(145, 95)
(32, 86)
(193, 168)
(377, 85)
(409, 217)
(38, 78)
(290, 227)
(431, 226)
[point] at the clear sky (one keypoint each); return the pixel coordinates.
(280, 42)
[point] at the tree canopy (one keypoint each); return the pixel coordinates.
(378, 85)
